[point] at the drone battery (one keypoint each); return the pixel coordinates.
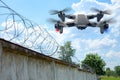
(81, 20)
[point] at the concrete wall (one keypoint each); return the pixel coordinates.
(19, 63)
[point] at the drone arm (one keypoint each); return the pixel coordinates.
(70, 24)
(70, 16)
(91, 16)
(92, 24)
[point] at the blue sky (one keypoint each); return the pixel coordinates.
(38, 10)
(86, 41)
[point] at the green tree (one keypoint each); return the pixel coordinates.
(113, 73)
(117, 70)
(95, 62)
(67, 52)
(108, 72)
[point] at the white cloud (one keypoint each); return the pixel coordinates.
(94, 44)
(76, 44)
(85, 46)
(115, 1)
(115, 29)
(111, 54)
(102, 43)
(86, 5)
(112, 58)
(111, 64)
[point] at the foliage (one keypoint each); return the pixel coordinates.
(117, 70)
(113, 73)
(108, 72)
(95, 62)
(67, 52)
(110, 78)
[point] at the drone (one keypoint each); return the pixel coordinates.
(81, 21)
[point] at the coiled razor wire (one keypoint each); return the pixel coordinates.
(18, 29)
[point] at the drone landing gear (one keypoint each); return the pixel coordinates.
(59, 28)
(106, 26)
(103, 28)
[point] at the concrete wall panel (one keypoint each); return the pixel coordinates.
(20, 65)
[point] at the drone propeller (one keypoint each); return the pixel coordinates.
(109, 21)
(60, 13)
(53, 12)
(51, 20)
(100, 11)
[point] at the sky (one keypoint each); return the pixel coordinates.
(84, 41)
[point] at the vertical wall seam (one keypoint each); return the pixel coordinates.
(1, 52)
(53, 69)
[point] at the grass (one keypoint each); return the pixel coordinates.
(110, 78)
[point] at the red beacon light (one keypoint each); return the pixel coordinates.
(57, 30)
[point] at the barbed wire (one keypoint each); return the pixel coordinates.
(16, 28)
